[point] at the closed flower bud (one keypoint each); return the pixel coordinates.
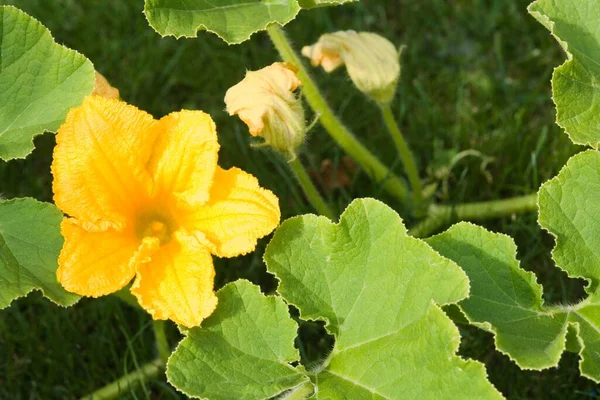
(266, 102)
(372, 61)
(103, 88)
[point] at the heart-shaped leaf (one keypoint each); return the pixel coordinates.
(377, 288)
(379, 291)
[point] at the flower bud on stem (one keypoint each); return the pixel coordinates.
(372, 61)
(371, 164)
(266, 102)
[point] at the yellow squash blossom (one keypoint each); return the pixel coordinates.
(104, 88)
(372, 61)
(266, 102)
(146, 199)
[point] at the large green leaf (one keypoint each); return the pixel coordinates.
(39, 82)
(378, 291)
(323, 3)
(506, 300)
(570, 210)
(575, 84)
(242, 351)
(30, 242)
(234, 21)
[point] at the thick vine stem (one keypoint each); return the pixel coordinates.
(310, 190)
(406, 155)
(439, 215)
(119, 388)
(375, 168)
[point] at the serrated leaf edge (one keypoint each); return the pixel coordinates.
(202, 27)
(336, 224)
(456, 339)
(489, 327)
(24, 200)
(576, 326)
(186, 337)
(558, 243)
(56, 44)
(549, 24)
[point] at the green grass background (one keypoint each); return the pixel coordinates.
(475, 76)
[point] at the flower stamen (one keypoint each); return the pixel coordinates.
(154, 225)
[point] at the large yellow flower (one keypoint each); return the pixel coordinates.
(146, 199)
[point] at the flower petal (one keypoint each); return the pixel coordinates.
(266, 102)
(177, 283)
(238, 213)
(372, 61)
(185, 157)
(104, 88)
(99, 161)
(98, 263)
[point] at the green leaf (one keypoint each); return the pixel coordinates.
(242, 351)
(39, 82)
(575, 84)
(570, 210)
(378, 291)
(234, 21)
(507, 301)
(30, 242)
(504, 298)
(323, 3)
(586, 317)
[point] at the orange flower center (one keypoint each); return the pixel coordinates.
(154, 225)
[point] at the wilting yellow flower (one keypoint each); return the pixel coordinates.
(372, 61)
(266, 102)
(103, 88)
(146, 199)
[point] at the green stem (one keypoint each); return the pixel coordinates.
(375, 168)
(128, 298)
(127, 382)
(440, 215)
(302, 392)
(310, 190)
(405, 153)
(164, 351)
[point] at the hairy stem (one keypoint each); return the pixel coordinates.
(126, 383)
(310, 190)
(440, 215)
(375, 168)
(406, 155)
(302, 392)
